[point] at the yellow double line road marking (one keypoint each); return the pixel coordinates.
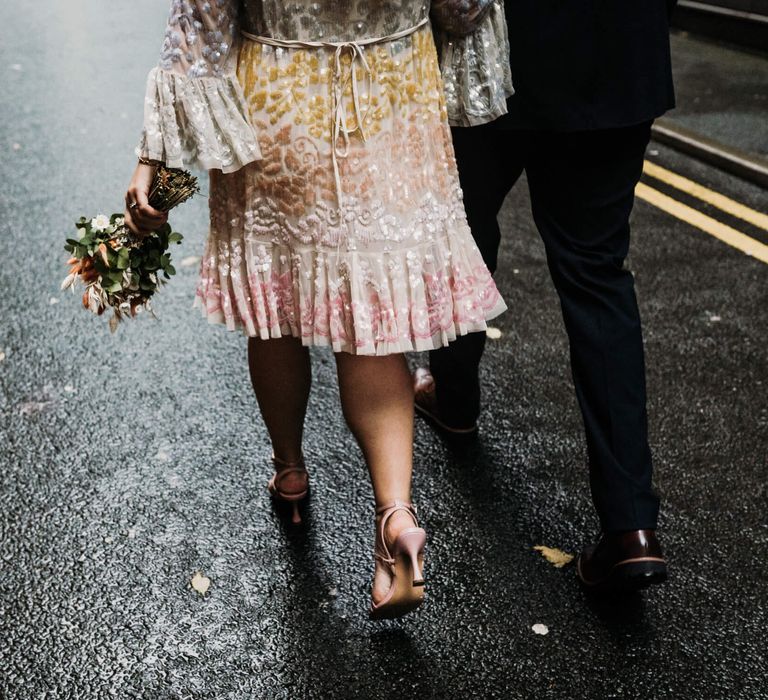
(712, 226)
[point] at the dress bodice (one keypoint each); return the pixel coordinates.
(195, 110)
(330, 20)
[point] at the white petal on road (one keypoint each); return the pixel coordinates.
(53, 300)
(713, 318)
(538, 628)
(31, 408)
(200, 582)
(2, 356)
(190, 261)
(493, 333)
(188, 650)
(16, 147)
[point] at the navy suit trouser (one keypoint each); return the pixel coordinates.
(581, 188)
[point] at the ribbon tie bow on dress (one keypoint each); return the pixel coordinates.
(340, 130)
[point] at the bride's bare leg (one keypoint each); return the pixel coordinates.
(281, 375)
(377, 400)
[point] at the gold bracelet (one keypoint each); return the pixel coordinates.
(149, 161)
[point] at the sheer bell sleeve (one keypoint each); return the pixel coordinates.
(195, 112)
(473, 48)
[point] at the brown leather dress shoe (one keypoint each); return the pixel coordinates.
(623, 561)
(425, 397)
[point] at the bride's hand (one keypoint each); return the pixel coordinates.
(140, 217)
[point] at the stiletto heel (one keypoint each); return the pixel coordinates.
(411, 542)
(405, 562)
(294, 498)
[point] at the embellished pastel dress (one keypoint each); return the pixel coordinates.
(336, 211)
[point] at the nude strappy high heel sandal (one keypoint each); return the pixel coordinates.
(404, 560)
(294, 498)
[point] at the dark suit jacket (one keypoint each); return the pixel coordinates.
(588, 64)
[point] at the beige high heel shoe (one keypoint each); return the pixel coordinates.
(404, 560)
(294, 498)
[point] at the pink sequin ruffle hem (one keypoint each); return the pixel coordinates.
(361, 303)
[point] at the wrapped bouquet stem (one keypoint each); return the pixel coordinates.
(121, 270)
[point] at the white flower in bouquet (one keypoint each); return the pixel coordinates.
(100, 223)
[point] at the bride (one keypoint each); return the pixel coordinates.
(336, 220)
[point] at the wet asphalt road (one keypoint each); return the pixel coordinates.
(131, 461)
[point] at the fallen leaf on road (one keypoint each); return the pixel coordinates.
(200, 582)
(493, 333)
(556, 557)
(538, 628)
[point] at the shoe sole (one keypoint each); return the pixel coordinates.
(392, 612)
(628, 576)
(432, 418)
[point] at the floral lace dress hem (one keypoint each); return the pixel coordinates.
(439, 340)
(363, 304)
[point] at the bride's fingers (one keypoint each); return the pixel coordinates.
(145, 210)
(143, 215)
(129, 222)
(134, 226)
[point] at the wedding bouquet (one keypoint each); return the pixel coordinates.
(120, 269)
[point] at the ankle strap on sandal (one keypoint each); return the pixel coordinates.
(396, 505)
(298, 464)
(286, 468)
(383, 514)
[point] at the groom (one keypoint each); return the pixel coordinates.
(590, 76)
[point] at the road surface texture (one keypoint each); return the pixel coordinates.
(722, 93)
(132, 461)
